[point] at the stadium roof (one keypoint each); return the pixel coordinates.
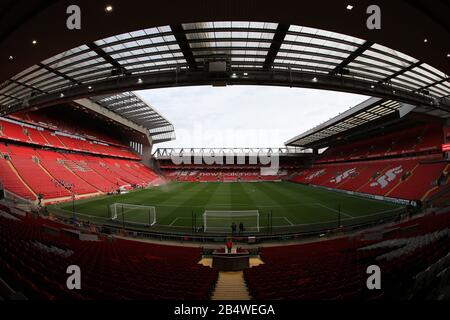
(131, 107)
(405, 23)
(250, 53)
(374, 111)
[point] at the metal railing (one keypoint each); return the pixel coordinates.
(267, 232)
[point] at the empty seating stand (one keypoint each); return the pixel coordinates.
(206, 174)
(411, 141)
(51, 161)
(79, 166)
(71, 164)
(123, 174)
(12, 131)
(423, 179)
(336, 269)
(46, 135)
(12, 182)
(409, 178)
(118, 269)
(60, 174)
(407, 165)
(96, 164)
(37, 179)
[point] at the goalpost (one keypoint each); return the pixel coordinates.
(221, 221)
(133, 214)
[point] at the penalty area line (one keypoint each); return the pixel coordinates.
(176, 219)
(173, 222)
(288, 221)
(342, 212)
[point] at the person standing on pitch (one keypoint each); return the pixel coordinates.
(229, 245)
(241, 227)
(233, 228)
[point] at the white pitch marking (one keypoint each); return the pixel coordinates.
(342, 212)
(236, 204)
(175, 220)
(288, 221)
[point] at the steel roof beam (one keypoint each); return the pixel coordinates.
(9, 96)
(19, 83)
(255, 77)
(183, 43)
(433, 84)
(402, 71)
(366, 45)
(102, 53)
(60, 74)
(275, 46)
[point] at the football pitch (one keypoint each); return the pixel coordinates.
(280, 206)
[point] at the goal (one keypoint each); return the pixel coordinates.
(221, 221)
(133, 214)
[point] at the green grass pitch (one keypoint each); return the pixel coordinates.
(290, 205)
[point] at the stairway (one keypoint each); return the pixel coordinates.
(13, 169)
(231, 286)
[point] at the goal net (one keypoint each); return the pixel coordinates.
(133, 214)
(222, 221)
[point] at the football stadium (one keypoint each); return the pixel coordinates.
(101, 199)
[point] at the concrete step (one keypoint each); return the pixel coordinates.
(231, 286)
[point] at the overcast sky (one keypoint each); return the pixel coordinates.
(244, 116)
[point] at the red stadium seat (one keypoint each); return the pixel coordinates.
(119, 269)
(406, 165)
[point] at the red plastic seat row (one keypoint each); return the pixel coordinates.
(38, 180)
(418, 139)
(405, 178)
(118, 269)
(336, 269)
(59, 174)
(46, 137)
(12, 182)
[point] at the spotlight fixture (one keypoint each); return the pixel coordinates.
(425, 40)
(234, 76)
(314, 79)
(61, 95)
(140, 81)
(349, 7)
(34, 42)
(109, 8)
(11, 58)
(372, 87)
(90, 88)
